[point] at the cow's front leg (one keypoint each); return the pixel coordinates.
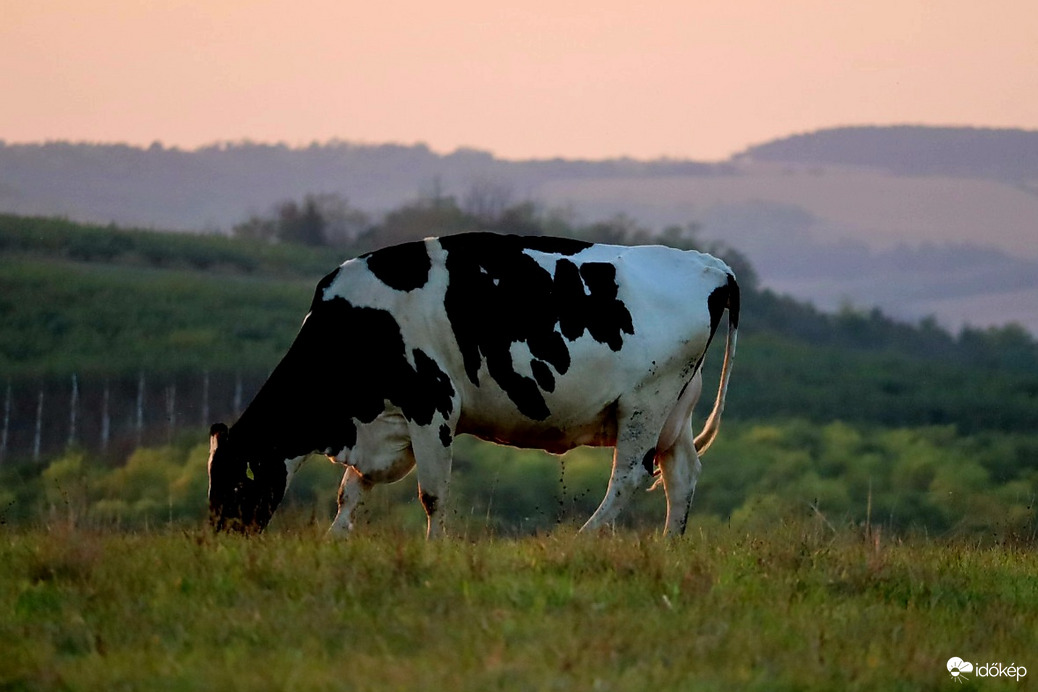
(432, 453)
(352, 489)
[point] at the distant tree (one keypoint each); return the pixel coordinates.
(522, 219)
(343, 223)
(430, 216)
(487, 201)
(325, 219)
(1009, 346)
(682, 237)
(619, 230)
(302, 224)
(257, 228)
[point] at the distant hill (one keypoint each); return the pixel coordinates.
(1002, 154)
(215, 187)
(824, 216)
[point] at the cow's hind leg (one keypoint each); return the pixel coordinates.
(679, 468)
(677, 457)
(633, 462)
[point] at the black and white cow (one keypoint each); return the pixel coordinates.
(528, 341)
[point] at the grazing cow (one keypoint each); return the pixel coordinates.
(528, 341)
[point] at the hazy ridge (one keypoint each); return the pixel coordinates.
(916, 220)
(1003, 154)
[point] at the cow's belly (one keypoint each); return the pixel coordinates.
(581, 407)
(557, 434)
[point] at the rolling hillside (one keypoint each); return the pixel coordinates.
(919, 221)
(1010, 155)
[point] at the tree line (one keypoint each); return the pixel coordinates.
(329, 220)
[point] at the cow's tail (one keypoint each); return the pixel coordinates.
(724, 297)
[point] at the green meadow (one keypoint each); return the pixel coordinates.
(800, 605)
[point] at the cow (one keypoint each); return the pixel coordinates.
(534, 342)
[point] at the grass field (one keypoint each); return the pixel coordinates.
(798, 605)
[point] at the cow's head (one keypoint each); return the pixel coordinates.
(240, 499)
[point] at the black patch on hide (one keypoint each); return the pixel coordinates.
(445, 435)
(402, 267)
(345, 363)
(722, 297)
(498, 295)
(649, 460)
(429, 501)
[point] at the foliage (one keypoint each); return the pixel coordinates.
(156, 485)
(798, 606)
(57, 239)
(329, 220)
(320, 220)
(1009, 348)
(117, 319)
(779, 375)
(929, 480)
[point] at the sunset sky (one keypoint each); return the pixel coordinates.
(539, 78)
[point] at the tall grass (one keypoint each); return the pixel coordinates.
(798, 606)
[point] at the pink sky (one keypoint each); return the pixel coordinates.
(540, 78)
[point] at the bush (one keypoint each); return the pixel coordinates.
(930, 480)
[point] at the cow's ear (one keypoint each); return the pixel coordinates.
(217, 436)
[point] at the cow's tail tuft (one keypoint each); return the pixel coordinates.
(713, 423)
